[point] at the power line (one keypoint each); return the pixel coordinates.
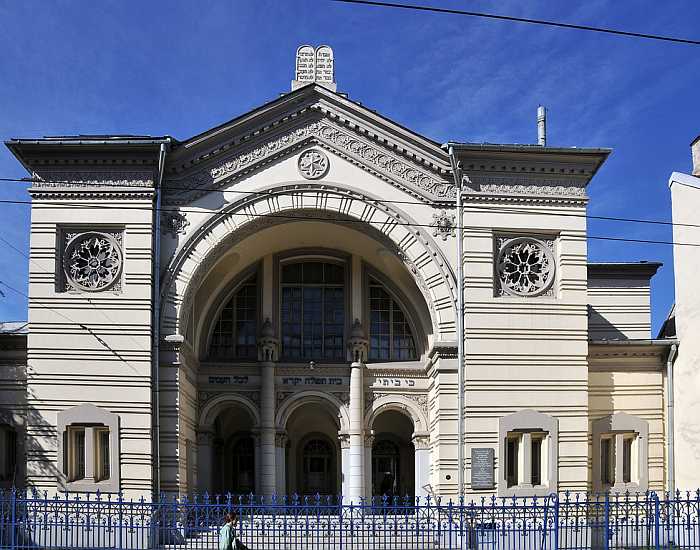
(33, 302)
(385, 201)
(319, 218)
(543, 22)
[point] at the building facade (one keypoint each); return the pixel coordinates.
(272, 307)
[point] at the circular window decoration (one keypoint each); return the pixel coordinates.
(92, 261)
(525, 267)
(313, 164)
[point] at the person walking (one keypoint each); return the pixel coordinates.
(227, 533)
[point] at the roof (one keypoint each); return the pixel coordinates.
(527, 147)
(14, 327)
(641, 268)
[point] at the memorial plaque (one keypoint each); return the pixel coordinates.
(306, 64)
(482, 468)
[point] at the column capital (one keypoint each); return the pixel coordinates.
(268, 343)
(421, 441)
(344, 439)
(369, 439)
(205, 437)
(281, 439)
(357, 343)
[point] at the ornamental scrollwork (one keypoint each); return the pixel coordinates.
(525, 266)
(313, 164)
(175, 223)
(444, 225)
(92, 261)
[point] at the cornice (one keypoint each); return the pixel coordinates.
(90, 193)
(418, 180)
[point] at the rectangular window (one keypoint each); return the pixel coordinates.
(8, 453)
(607, 461)
(627, 459)
(76, 453)
(512, 446)
(102, 466)
(536, 459)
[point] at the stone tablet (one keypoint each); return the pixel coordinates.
(324, 65)
(482, 469)
(305, 71)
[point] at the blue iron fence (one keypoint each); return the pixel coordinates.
(566, 521)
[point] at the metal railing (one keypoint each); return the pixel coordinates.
(567, 521)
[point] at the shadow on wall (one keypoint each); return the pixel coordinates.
(602, 329)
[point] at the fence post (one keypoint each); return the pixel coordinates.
(657, 522)
(13, 512)
(555, 497)
(606, 519)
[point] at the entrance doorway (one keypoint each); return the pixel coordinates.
(243, 465)
(318, 474)
(385, 468)
(393, 455)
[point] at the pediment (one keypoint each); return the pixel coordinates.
(217, 159)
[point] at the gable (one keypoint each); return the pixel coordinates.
(219, 158)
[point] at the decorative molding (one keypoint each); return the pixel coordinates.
(92, 260)
(343, 397)
(100, 178)
(421, 442)
(175, 223)
(348, 145)
(444, 224)
(313, 164)
(91, 194)
(521, 185)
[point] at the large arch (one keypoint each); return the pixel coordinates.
(401, 404)
(213, 407)
(327, 400)
(240, 219)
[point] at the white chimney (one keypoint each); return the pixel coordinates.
(541, 125)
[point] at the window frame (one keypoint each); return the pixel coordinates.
(331, 257)
(620, 428)
(251, 274)
(85, 475)
(522, 429)
(413, 319)
(394, 305)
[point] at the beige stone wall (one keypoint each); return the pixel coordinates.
(639, 393)
(90, 347)
(527, 353)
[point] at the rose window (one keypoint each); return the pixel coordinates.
(92, 261)
(525, 267)
(313, 164)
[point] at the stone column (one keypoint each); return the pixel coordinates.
(619, 462)
(267, 355)
(205, 461)
(358, 350)
(526, 454)
(280, 463)
(344, 463)
(369, 443)
(421, 445)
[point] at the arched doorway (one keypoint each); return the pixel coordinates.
(313, 464)
(318, 466)
(393, 455)
(234, 452)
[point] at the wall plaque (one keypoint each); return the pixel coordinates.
(482, 468)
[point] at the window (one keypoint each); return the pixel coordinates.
(620, 451)
(313, 311)
(522, 446)
(102, 454)
(76, 453)
(391, 338)
(528, 454)
(8, 453)
(235, 332)
(88, 449)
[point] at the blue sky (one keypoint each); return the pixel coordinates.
(180, 67)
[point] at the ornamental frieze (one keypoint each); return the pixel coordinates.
(101, 178)
(385, 164)
(519, 185)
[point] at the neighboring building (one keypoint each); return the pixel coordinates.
(304, 307)
(684, 322)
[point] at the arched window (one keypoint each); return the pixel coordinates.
(313, 311)
(235, 332)
(390, 335)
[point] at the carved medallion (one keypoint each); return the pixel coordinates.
(92, 261)
(444, 225)
(175, 223)
(525, 266)
(313, 164)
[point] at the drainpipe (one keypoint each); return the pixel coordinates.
(457, 172)
(669, 420)
(155, 349)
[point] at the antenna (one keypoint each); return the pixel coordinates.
(541, 125)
